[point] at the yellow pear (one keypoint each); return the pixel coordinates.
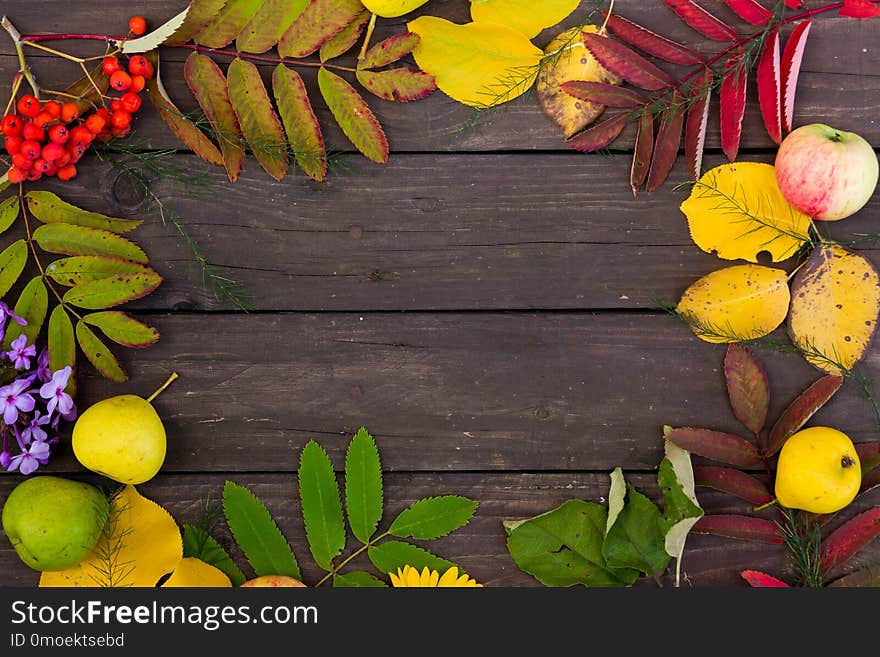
(818, 471)
(392, 8)
(122, 438)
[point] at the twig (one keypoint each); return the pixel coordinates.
(17, 41)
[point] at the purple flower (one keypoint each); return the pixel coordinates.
(16, 397)
(5, 314)
(31, 458)
(53, 391)
(44, 374)
(33, 430)
(20, 353)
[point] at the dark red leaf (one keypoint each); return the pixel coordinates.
(759, 580)
(791, 66)
(795, 4)
(770, 87)
(701, 20)
(750, 11)
(849, 538)
(642, 151)
(732, 481)
(869, 456)
(652, 43)
(599, 135)
(745, 528)
(716, 445)
(604, 94)
(801, 410)
(697, 121)
(626, 63)
(733, 103)
(859, 9)
(747, 387)
(668, 140)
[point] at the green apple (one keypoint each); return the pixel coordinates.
(54, 523)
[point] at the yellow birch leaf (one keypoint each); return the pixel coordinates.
(478, 64)
(737, 303)
(392, 8)
(525, 16)
(141, 544)
(195, 572)
(737, 211)
(835, 298)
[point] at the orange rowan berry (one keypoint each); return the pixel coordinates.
(52, 108)
(29, 106)
(33, 132)
(12, 144)
(11, 125)
(16, 175)
(110, 65)
(120, 80)
(120, 119)
(52, 151)
(69, 111)
(137, 25)
(31, 149)
(43, 119)
(59, 133)
(138, 82)
(66, 172)
(95, 123)
(130, 102)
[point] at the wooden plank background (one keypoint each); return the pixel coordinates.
(485, 303)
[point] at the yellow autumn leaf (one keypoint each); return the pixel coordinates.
(737, 211)
(835, 298)
(525, 16)
(392, 8)
(141, 543)
(195, 572)
(478, 64)
(737, 303)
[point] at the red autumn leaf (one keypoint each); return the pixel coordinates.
(791, 67)
(652, 43)
(399, 85)
(747, 387)
(849, 538)
(390, 50)
(859, 9)
(732, 481)
(759, 580)
(697, 121)
(801, 410)
(599, 135)
(869, 456)
(603, 94)
(750, 11)
(668, 140)
(794, 4)
(626, 63)
(770, 87)
(733, 103)
(745, 528)
(701, 20)
(716, 445)
(642, 151)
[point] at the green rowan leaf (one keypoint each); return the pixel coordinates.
(199, 15)
(320, 21)
(113, 290)
(31, 306)
(48, 208)
(389, 556)
(358, 579)
(321, 506)
(200, 544)
(12, 261)
(433, 517)
(398, 85)
(9, 209)
(390, 50)
(300, 123)
(77, 270)
(256, 533)
(62, 344)
(228, 23)
(363, 486)
(635, 540)
(268, 24)
(354, 116)
(80, 240)
(101, 358)
(345, 39)
(123, 329)
(681, 510)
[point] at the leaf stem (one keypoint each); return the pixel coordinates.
(370, 27)
(171, 379)
(335, 570)
(17, 40)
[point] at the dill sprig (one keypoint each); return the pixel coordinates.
(111, 571)
(802, 537)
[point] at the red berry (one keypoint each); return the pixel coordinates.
(10, 125)
(12, 144)
(34, 174)
(139, 65)
(28, 105)
(52, 151)
(137, 25)
(53, 107)
(69, 111)
(66, 172)
(31, 149)
(120, 119)
(110, 65)
(120, 80)
(59, 133)
(116, 105)
(138, 82)
(43, 119)
(42, 165)
(130, 102)
(95, 123)
(33, 132)
(65, 159)
(19, 161)
(81, 136)
(16, 175)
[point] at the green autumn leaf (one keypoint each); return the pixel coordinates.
(358, 579)
(113, 290)
(354, 116)
(399, 85)
(101, 358)
(123, 329)
(681, 511)
(390, 50)
(31, 306)
(48, 208)
(199, 15)
(321, 506)
(345, 39)
(228, 23)
(61, 343)
(272, 19)
(300, 123)
(389, 556)
(363, 486)
(259, 123)
(256, 533)
(433, 517)
(77, 270)
(563, 547)
(80, 240)
(9, 210)
(320, 22)
(200, 544)
(12, 262)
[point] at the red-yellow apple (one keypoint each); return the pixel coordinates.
(272, 581)
(826, 173)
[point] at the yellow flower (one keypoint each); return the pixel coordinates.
(410, 577)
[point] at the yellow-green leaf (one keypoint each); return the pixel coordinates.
(84, 269)
(31, 306)
(98, 354)
(62, 345)
(192, 572)
(49, 209)
(736, 211)
(80, 240)
(12, 262)
(8, 213)
(319, 23)
(390, 50)
(478, 64)
(392, 8)
(525, 16)
(206, 81)
(738, 303)
(200, 14)
(123, 329)
(345, 39)
(113, 290)
(228, 23)
(399, 85)
(268, 24)
(354, 116)
(834, 305)
(259, 123)
(300, 124)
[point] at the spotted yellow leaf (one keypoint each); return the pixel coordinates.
(525, 16)
(478, 64)
(737, 303)
(834, 305)
(192, 572)
(141, 544)
(392, 8)
(736, 211)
